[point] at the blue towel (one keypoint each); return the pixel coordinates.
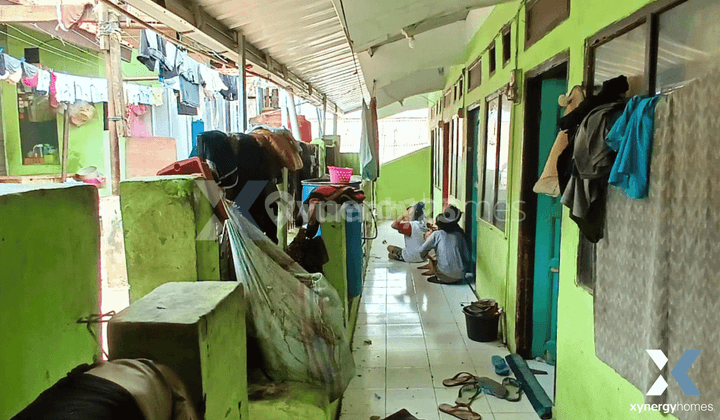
(631, 137)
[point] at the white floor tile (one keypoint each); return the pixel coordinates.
(406, 343)
(498, 405)
(361, 401)
(415, 401)
(515, 416)
(369, 358)
(407, 358)
(374, 343)
(404, 378)
(365, 318)
(404, 330)
(368, 378)
(402, 308)
(371, 330)
(440, 372)
(373, 308)
(458, 357)
(403, 318)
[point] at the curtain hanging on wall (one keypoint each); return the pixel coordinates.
(658, 267)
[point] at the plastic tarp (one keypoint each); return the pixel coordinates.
(296, 317)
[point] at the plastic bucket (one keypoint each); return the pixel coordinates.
(481, 328)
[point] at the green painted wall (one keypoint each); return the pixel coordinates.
(333, 234)
(586, 387)
(49, 254)
(403, 182)
(162, 218)
(300, 403)
(89, 144)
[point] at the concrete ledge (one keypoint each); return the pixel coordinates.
(302, 403)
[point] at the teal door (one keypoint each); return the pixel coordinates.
(471, 212)
(547, 234)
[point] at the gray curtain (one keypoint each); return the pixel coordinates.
(658, 268)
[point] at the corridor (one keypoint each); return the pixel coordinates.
(411, 335)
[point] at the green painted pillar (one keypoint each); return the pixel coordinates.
(169, 233)
(333, 233)
(50, 259)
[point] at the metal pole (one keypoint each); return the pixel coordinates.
(335, 122)
(324, 117)
(293, 116)
(242, 85)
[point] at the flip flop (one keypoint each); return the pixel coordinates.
(514, 389)
(460, 411)
(434, 279)
(467, 394)
(492, 387)
(461, 378)
(501, 367)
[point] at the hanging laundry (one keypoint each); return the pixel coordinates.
(137, 127)
(548, 183)
(158, 95)
(152, 49)
(98, 90)
(29, 70)
(64, 88)
(231, 91)
(53, 90)
(71, 15)
(189, 93)
(31, 75)
(168, 66)
(138, 94)
(612, 91)
(632, 137)
(82, 89)
(13, 68)
(3, 72)
(189, 68)
(43, 82)
(369, 162)
(184, 109)
(592, 162)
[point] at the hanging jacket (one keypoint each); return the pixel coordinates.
(592, 162)
(632, 137)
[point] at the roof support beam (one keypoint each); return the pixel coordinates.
(27, 14)
(196, 24)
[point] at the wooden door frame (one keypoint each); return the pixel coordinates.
(528, 204)
(446, 163)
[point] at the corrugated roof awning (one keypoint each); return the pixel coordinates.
(300, 43)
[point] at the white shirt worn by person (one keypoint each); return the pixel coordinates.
(414, 241)
(452, 252)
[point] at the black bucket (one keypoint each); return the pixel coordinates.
(481, 328)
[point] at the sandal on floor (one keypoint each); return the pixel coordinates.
(492, 387)
(501, 367)
(467, 394)
(461, 378)
(434, 279)
(514, 389)
(460, 411)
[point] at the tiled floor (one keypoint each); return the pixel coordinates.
(409, 337)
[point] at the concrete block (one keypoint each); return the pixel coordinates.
(169, 233)
(198, 330)
(302, 402)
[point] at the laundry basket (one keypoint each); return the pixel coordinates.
(340, 175)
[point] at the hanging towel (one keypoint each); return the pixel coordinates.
(65, 88)
(632, 137)
(369, 162)
(13, 68)
(98, 90)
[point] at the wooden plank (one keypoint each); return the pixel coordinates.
(146, 156)
(27, 14)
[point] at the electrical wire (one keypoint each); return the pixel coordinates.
(61, 53)
(39, 44)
